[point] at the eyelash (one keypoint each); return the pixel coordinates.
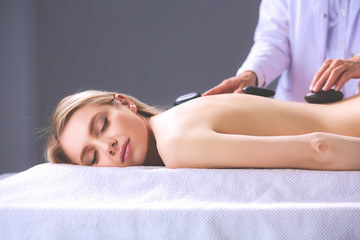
(105, 124)
(102, 129)
(94, 159)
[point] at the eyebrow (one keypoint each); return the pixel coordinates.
(90, 130)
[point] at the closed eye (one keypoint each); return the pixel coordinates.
(104, 124)
(94, 158)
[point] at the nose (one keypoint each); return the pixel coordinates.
(112, 146)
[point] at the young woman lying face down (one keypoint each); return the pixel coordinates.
(96, 128)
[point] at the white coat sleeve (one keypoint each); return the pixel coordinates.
(270, 54)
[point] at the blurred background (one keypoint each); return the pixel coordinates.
(155, 50)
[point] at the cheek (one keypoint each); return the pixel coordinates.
(131, 124)
(140, 130)
(136, 129)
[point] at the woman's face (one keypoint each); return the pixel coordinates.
(106, 135)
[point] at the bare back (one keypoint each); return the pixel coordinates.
(233, 130)
(259, 116)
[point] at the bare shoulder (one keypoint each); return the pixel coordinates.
(188, 124)
(176, 130)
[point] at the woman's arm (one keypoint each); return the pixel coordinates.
(320, 151)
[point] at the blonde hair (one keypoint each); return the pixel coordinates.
(70, 104)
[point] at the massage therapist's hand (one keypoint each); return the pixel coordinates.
(234, 84)
(335, 72)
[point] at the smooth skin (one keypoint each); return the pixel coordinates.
(237, 131)
(222, 131)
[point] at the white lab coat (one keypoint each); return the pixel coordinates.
(291, 38)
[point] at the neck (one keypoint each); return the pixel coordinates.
(152, 156)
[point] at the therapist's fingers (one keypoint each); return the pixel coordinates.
(341, 82)
(352, 70)
(234, 84)
(241, 86)
(227, 86)
(339, 76)
(336, 73)
(320, 76)
(345, 70)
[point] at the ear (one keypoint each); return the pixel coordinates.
(125, 102)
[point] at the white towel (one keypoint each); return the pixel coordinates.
(52, 201)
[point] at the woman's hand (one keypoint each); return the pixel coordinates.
(335, 72)
(234, 84)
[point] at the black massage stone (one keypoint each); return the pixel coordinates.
(258, 91)
(324, 96)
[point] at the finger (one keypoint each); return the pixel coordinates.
(241, 86)
(330, 75)
(334, 77)
(208, 92)
(212, 91)
(239, 90)
(354, 69)
(320, 83)
(343, 79)
(224, 87)
(319, 73)
(216, 90)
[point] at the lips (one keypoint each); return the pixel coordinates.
(124, 151)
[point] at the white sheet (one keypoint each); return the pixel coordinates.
(52, 201)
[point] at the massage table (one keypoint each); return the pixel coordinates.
(59, 201)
